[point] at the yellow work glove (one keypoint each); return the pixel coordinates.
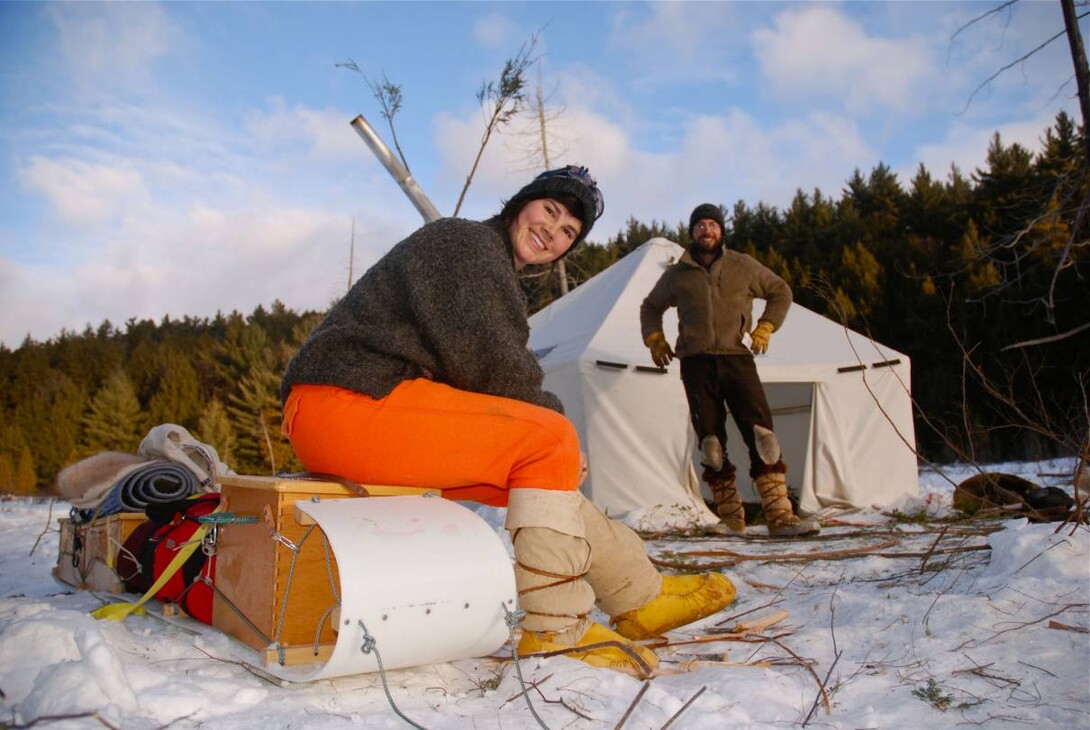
(661, 353)
(760, 335)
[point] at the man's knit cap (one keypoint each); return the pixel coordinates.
(706, 210)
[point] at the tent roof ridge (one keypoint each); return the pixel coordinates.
(638, 255)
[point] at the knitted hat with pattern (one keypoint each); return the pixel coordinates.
(572, 181)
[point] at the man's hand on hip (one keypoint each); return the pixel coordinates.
(760, 335)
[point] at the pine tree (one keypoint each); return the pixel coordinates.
(114, 421)
(254, 365)
(177, 397)
(255, 414)
(26, 479)
(214, 428)
(49, 418)
(862, 278)
(7, 473)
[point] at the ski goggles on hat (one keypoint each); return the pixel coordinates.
(582, 174)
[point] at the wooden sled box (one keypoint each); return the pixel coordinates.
(285, 609)
(87, 558)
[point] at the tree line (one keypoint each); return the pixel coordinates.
(981, 279)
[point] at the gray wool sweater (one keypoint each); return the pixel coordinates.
(444, 304)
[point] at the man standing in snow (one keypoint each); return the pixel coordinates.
(713, 289)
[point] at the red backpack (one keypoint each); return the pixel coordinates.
(152, 546)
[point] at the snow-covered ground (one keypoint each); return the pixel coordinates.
(927, 624)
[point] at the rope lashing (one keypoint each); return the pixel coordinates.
(369, 645)
(512, 618)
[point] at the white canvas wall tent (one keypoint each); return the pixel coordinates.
(841, 403)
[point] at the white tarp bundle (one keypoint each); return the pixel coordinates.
(841, 403)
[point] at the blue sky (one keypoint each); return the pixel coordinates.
(183, 158)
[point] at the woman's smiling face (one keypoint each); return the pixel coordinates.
(542, 232)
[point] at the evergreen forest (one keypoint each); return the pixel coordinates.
(981, 278)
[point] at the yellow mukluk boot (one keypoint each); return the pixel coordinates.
(599, 646)
(682, 600)
(552, 563)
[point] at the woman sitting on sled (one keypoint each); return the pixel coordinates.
(421, 376)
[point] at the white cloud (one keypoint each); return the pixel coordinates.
(325, 135)
(818, 52)
(84, 194)
(758, 162)
(669, 41)
(213, 220)
(967, 146)
(199, 260)
(494, 30)
(720, 158)
(113, 45)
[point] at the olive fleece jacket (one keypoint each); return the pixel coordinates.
(715, 305)
(444, 304)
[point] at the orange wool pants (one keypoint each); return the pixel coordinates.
(426, 434)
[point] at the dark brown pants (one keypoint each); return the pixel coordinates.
(715, 384)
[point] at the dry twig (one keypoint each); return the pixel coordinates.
(1067, 627)
(684, 707)
(47, 529)
(974, 642)
(632, 706)
(808, 665)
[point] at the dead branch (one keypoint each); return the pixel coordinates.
(1040, 423)
(825, 291)
(1012, 64)
(836, 660)
(997, 9)
(1046, 340)
(810, 669)
(777, 598)
(934, 546)
(632, 706)
(737, 633)
(780, 557)
(533, 685)
(970, 643)
(1066, 627)
(769, 604)
(690, 665)
(684, 707)
(847, 554)
(943, 551)
(45, 530)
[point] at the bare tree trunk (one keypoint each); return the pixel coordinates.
(561, 270)
(1078, 59)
